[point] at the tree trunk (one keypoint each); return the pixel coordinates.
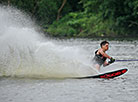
(35, 7)
(60, 9)
(8, 2)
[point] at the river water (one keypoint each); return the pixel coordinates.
(37, 68)
(121, 89)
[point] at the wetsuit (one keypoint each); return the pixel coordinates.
(99, 58)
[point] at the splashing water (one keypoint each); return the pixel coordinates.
(25, 53)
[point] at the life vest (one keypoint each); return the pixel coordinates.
(99, 58)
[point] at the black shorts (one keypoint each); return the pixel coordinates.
(98, 60)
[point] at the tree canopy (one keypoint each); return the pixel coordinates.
(82, 18)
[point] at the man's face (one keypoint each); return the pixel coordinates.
(105, 47)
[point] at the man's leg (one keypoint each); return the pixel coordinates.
(97, 66)
(105, 63)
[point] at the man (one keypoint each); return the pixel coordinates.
(100, 56)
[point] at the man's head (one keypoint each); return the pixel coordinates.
(104, 45)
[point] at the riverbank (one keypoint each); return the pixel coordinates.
(95, 38)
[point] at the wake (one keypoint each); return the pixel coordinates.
(25, 52)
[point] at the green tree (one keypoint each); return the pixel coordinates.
(124, 13)
(82, 18)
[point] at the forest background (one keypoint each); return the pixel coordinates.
(82, 18)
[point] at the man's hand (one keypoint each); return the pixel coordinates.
(112, 60)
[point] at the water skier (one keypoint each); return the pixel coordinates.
(101, 56)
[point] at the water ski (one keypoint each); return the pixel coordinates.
(107, 75)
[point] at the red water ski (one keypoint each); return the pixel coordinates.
(108, 75)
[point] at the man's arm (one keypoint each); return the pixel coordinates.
(104, 54)
(110, 62)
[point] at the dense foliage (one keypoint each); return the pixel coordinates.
(83, 18)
